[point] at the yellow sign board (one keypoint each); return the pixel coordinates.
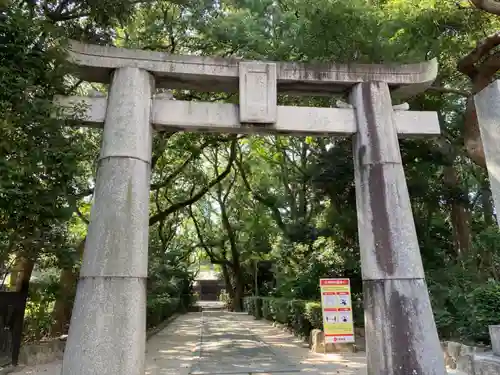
(337, 310)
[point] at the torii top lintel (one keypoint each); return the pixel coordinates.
(95, 63)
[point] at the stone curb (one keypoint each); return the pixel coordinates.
(153, 331)
(8, 370)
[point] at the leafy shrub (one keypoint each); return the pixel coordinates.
(38, 317)
(160, 308)
(280, 309)
(258, 308)
(464, 304)
(485, 306)
(468, 322)
(358, 312)
(298, 319)
(224, 297)
(248, 305)
(267, 312)
(301, 316)
(314, 314)
(253, 306)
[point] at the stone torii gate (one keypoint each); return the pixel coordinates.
(107, 331)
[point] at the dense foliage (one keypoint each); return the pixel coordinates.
(299, 315)
(276, 212)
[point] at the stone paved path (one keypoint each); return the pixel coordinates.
(229, 348)
(231, 344)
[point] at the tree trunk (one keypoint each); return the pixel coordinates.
(460, 216)
(65, 298)
(480, 65)
(487, 203)
(239, 289)
(61, 313)
(24, 268)
(235, 263)
(14, 273)
(227, 281)
(235, 254)
(472, 133)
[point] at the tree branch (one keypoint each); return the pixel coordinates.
(446, 90)
(81, 216)
(165, 136)
(490, 6)
(276, 214)
(71, 89)
(467, 64)
(177, 206)
(175, 173)
(210, 253)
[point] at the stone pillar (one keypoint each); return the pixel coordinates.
(487, 104)
(401, 336)
(495, 339)
(107, 335)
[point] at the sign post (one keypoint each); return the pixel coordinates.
(337, 310)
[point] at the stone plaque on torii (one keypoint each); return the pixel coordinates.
(107, 331)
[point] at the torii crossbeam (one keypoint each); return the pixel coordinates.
(107, 332)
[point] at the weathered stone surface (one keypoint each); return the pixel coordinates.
(495, 337)
(454, 349)
(317, 344)
(129, 110)
(359, 331)
(448, 360)
(220, 117)
(488, 115)
(41, 352)
(224, 118)
(388, 240)
(486, 364)
(468, 350)
(470, 360)
(465, 363)
(95, 64)
(401, 336)
(317, 341)
(258, 93)
(89, 111)
(108, 325)
(117, 244)
(107, 333)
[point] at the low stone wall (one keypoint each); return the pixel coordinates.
(471, 360)
(459, 356)
(466, 359)
(474, 360)
(43, 352)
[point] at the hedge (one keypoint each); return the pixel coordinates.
(160, 308)
(469, 323)
(483, 311)
(301, 316)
